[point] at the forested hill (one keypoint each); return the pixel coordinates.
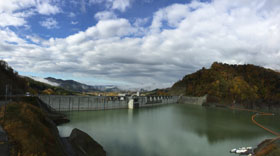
(244, 84)
(19, 85)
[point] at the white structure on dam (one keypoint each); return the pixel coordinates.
(79, 103)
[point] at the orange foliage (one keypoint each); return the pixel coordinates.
(48, 91)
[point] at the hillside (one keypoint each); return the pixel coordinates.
(36, 87)
(243, 84)
(80, 87)
(31, 131)
(72, 85)
(19, 85)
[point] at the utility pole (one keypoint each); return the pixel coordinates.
(6, 92)
(6, 100)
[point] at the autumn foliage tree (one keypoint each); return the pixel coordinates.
(245, 84)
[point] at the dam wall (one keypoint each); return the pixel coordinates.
(150, 101)
(192, 100)
(81, 103)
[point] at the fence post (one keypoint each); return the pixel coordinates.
(104, 102)
(96, 105)
(69, 103)
(59, 103)
(88, 103)
(6, 100)
(78, 103)
(49, 100)
(98, 101)
(73, 102)
(119, 102)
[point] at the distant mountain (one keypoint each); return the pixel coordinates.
(16, 84)
(80, 87)
(36, 86)
(19, 85)
(244, 84)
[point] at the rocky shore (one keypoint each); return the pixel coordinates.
(31, 127)
(269, 147)
(81, 144)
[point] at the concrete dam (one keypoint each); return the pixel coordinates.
(80, 103)
(192, 100)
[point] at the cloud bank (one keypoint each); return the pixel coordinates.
(44, 81)
(180, 39)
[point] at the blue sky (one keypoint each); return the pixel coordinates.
(136, 43)
(74, 16)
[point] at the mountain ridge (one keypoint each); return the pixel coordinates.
(73, 85)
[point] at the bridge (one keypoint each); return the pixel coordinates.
(80, 103)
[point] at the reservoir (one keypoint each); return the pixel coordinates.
(175, 129)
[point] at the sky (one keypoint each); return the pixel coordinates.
(136, 43)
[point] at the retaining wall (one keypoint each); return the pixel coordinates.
(192, 100)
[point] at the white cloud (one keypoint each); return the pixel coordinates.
(140, 21)
(71, 14)
(111, 28)
(49, 23)
(103, 15)
(11, 20)
(13, 5)
(74, 22)
(6, 35)
(120, 5)
(103, 29)
(46, 8)
(175, 44)
(172, 15)
(9, 15)
(15, 12)
(35, 38)
(44, 80)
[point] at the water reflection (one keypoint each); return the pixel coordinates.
(221, 124)
(169, 130)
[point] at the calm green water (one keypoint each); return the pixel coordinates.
(172, 130)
